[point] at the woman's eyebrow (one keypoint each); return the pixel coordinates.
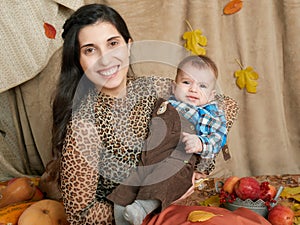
(114, 37)
(86, 45)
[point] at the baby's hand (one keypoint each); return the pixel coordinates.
(192, 143)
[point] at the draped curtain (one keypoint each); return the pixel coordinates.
(263, 34)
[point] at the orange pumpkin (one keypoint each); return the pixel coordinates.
(11, 213)
(2, 187)
(46, 212)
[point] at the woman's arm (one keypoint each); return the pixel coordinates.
(79, 176)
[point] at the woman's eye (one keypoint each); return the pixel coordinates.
(202, 86)
(89, 51)
(113, 43)
(185, 82)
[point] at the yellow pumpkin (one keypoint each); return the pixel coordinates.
(44, 212)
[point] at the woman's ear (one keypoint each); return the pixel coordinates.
(129, 46)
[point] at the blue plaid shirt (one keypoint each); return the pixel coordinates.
(209, 122)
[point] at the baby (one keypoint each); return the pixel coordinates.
(187, 131)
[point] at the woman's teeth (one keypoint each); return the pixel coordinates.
(109, 71)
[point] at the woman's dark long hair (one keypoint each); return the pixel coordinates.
(71, 70)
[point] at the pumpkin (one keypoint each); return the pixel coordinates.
(2, 187)
(45, 212)
(11, 213)
(21, 189)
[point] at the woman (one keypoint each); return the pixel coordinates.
(101, 112)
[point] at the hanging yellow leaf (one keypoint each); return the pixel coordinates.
(195, 41)
(246, 78)
(232, 7)
(199, 216)
(50, 31)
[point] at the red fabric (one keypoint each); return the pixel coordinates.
(178, 214)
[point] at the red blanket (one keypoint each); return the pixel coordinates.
(178, 214)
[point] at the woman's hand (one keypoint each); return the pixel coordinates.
(192, 143)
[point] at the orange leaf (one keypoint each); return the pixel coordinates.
(50, 31)
(233, 7)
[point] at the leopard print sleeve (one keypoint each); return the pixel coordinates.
(79, 175)
(162, 86)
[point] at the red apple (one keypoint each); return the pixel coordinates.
(247, 187)
(229, 184)
(281, 215)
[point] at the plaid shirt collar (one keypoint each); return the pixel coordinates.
(193, 113)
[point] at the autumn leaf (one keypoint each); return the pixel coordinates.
(232, 7)
(297, 221)
(211, 201)
(200, 216)
(291, 192)
(195, 41)
(246, 78)
(50, 31)
(296, 208)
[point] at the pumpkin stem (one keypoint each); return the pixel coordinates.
(240, 64)
(189, 25)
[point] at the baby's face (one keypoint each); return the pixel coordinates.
(194, 86)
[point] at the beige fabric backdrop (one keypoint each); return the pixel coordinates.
(264, 35)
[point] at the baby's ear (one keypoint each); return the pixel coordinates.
(213, 95)
(173, 86)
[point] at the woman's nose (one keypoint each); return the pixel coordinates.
(104, 55)
(104, 58)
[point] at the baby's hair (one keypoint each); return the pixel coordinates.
(199, 61)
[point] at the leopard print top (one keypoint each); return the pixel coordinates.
(103, 143)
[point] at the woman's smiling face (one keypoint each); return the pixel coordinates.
(104, 57)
